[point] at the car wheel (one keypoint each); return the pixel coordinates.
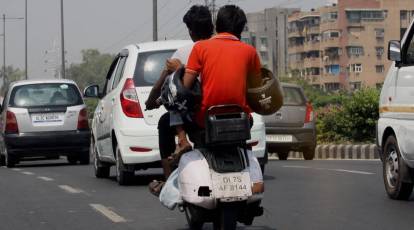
(309, 153)
(283, 155)
(10, 160)
(101, 171)
(123, 176)
(73, 160)
(84, 158)
(393, 173)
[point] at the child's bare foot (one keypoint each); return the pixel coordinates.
(182, 147)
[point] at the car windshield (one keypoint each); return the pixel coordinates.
(45, 94)
(293, 96)
(149, 66)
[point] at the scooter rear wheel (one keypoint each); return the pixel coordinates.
(193, 221)
(227, 217)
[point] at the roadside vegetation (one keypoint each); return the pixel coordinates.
(343, 117)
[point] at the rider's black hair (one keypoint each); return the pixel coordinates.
(199, 21)
(231, 19)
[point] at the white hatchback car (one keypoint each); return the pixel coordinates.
(395, 128)
(123, 133)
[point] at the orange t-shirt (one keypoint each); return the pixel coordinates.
(224, 63)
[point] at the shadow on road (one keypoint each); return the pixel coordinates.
(210, 227)
(142, 180)
(267, 177)
(42, 162)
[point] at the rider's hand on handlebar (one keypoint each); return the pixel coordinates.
(152, 104)
(173, 64)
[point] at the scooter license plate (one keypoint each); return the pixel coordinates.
(231, 185)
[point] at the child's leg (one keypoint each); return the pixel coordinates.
(182, 137)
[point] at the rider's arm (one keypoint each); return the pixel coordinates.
(189, 79)
(155, 93)
(193, 68)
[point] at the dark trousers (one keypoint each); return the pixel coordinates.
(166, 136)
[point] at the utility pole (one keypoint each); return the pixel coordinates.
(4, 50)
(154, 20)
(4, 46)
(25, 42)
(211, 4)
(62, 39)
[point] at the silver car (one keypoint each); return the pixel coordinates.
(45, 118)
(293, 126)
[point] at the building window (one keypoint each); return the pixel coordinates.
(379, 68)
(403, 14)
(246, 40)
(355, 15)
(264, 56)
(332, 69)
(355, 85)
(379, 51)
(263, 42)
(332, 86)
(355, 68)
(379, 32)
(355, 50)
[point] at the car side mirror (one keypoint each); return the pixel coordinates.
(394, 51)
(91, 91)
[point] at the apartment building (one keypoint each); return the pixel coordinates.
(343, 45)
(267, 31)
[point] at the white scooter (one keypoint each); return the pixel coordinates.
(217, 178)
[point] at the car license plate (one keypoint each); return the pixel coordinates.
(231, 185)
(47, 118)
(279, 138)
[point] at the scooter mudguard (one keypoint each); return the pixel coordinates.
(194, 172)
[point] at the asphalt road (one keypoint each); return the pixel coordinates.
(45, 195)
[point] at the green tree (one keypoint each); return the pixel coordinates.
(92, 69)
(12, 74)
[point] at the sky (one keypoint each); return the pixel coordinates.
(106, 25)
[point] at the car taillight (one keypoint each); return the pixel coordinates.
(83, 120)
(309, 113)
(129, 100)
(11, 123)
(140, 149)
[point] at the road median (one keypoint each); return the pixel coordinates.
(338, 152)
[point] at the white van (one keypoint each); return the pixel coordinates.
(395, 130)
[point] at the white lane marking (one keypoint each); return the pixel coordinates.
(27, 173)
(45, 178)
(353, 171)
(70, 189)
(108, 213)
(17, 170)
(327, 169)
(296, 166)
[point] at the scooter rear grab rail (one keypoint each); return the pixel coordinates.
(226, 125)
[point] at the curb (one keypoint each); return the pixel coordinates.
(339, 152)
